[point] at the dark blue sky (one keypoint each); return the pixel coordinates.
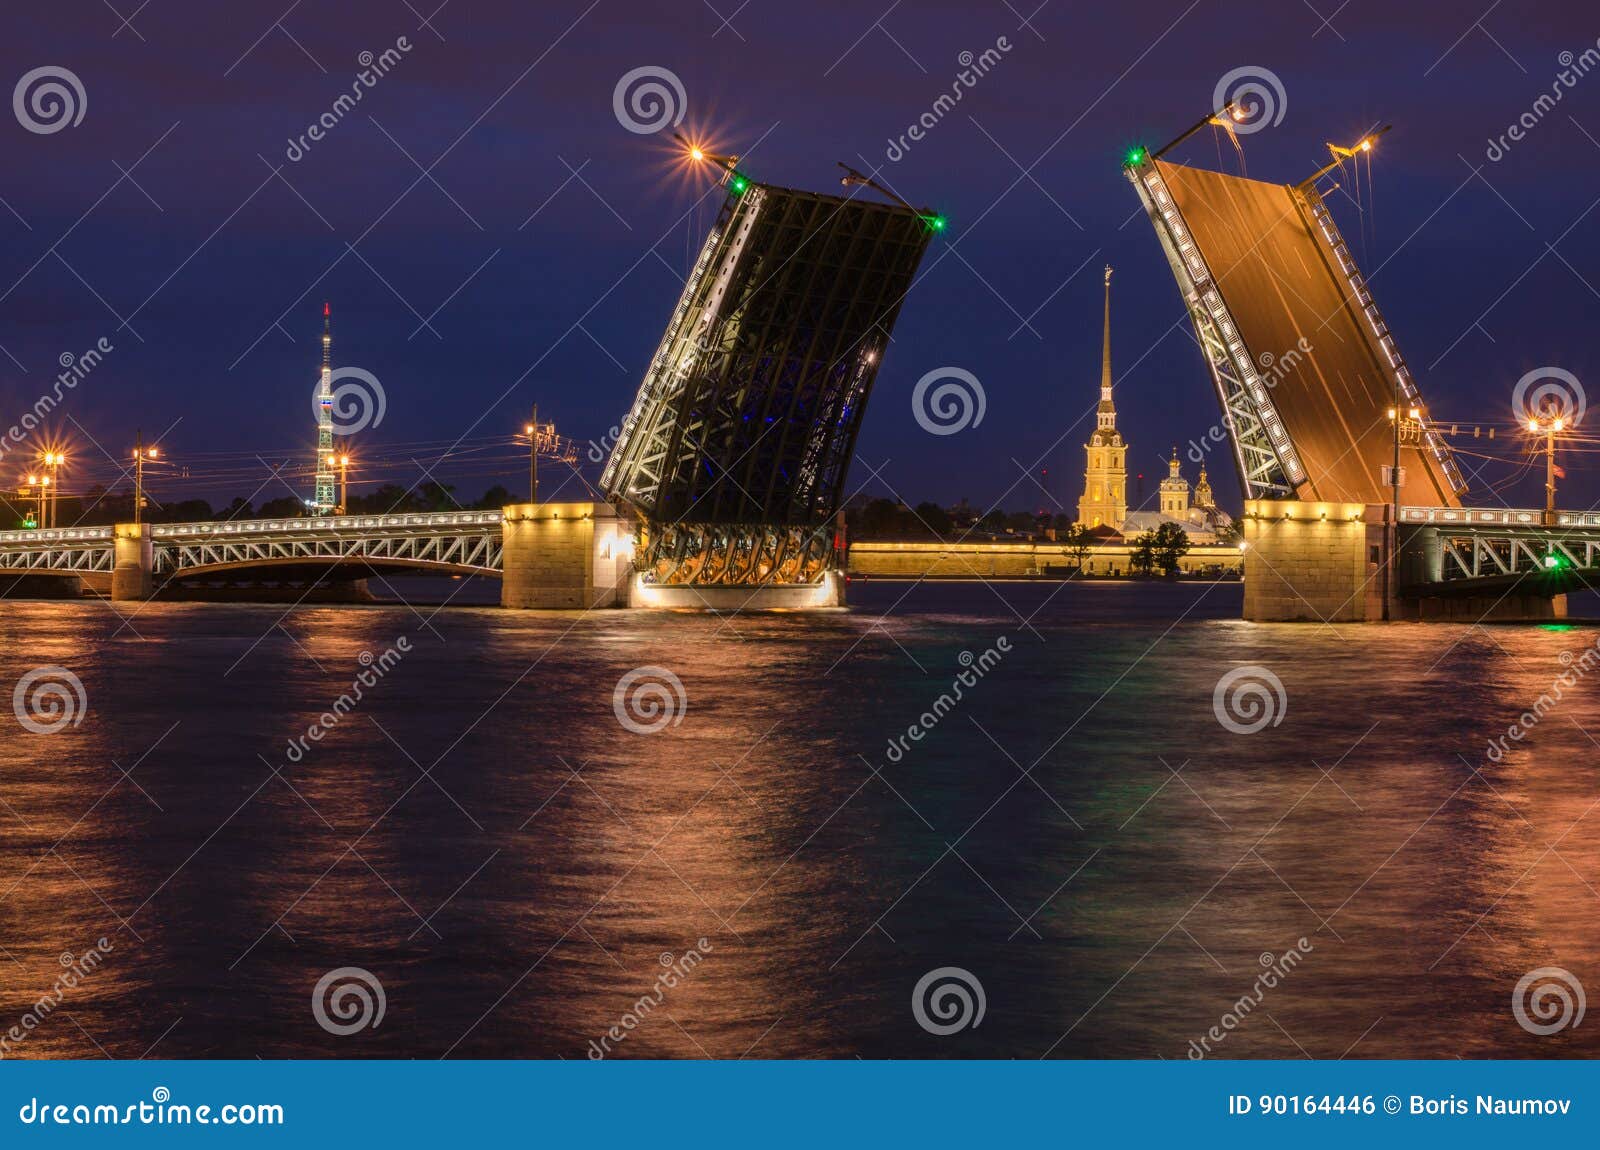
(566, 306)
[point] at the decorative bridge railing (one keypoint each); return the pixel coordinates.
(1476, 547)
(459, 541)
(64, 551)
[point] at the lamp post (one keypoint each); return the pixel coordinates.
(533, 456)
(52, 462)
(1549, 426)
(1407, 429)
(140, 454)
(344, 485)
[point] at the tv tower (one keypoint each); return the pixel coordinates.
(325, 501)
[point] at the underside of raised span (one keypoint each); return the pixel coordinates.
(1268, 277)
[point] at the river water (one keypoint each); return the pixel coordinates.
(1106, 862)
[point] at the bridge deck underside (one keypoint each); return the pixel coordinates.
(1281, 285)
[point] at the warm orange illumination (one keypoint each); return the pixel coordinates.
(1557, 423)
(696, 154)
(1533, 425)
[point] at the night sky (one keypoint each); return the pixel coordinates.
(544, 247)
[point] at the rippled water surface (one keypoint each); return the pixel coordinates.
(1078, 831)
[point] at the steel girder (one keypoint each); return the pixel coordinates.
(748, 414)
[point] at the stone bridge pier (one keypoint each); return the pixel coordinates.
(133, 562)
(566, 556)
(1326, 562)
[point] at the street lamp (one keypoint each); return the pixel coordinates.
(344, 485)
(141, 453)
(53, 461)
(1549, 428)
(532, 432)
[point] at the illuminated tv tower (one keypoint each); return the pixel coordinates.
(325, 500)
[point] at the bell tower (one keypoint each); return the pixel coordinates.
(1105, 476)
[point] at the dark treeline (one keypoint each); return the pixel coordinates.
(889, 520)
(98, 507)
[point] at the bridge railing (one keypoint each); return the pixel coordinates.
(67, 535)
(323, 525)
(1495, 517)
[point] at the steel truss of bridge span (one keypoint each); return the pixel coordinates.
(1467, 548)
(458, 541)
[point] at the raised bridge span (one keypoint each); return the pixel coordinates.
(1310, 380)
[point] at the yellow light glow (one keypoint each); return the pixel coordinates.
(1557, 423)
(1391, 413)
(1416, 413)
(696, 154)
(1365, 145)
(1533, 425)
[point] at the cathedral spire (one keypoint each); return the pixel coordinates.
(1105, 362)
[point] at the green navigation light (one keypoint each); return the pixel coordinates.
(1136, 155)
(738, 184)
(937, 223)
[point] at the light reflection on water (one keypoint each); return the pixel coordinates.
(1079, 832)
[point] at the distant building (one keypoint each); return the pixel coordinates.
(1105, 479)
(1104, 506)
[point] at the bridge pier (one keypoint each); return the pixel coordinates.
(565, 556)
(1323, 562)
(133, 562)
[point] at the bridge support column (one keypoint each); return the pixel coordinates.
(1312, 562)
(133, 569)
(565, 556)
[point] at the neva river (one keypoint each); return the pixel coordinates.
(517, 869)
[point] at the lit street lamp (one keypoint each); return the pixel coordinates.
(140, 454)
(344, 485)
(1549, 428)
